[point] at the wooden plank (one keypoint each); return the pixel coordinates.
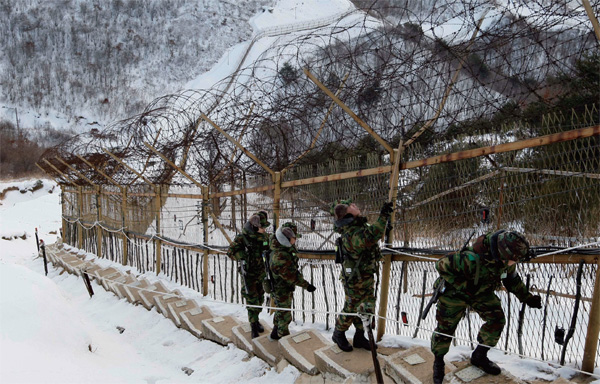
(339, 102)
(237, 144)
(98, 170)
(507, 147)
(184, 173)
(127, 166)
(90, 182)
(337, 176)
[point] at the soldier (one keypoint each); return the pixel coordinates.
(361, 254)
(469, 279)
(247, 249)
(286, 275)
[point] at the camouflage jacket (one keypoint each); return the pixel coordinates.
(284, 263)
(359, 243)
(474, 274)
(249, 246)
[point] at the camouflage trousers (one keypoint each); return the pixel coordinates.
(283, 296)
(360, 290)
(451, 308)
(255, 296)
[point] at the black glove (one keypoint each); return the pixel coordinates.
(387, 208)
(311, 288)
(534, 301)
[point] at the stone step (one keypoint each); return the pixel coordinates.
(104, 275)
(337, 364)
(91, 268)
(299, 349)
(175, 308)
(267, 349)
(118, 285)
(161, 301)
(192, 319)
(108, 279)
(414, 366)
(145, 294)
(218, 329)
(242, 336)
(464, 372)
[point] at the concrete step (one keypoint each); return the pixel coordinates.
(299, 349)
(464, 372)
(192, 319)
(267, 349)
(414, 366)
(218, 329)
(242, 336)
(175, 308)
(161, 301)
(145, 294)
(336, 364)
(117, 286)
(104, 275)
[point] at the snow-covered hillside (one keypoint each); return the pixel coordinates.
(82, 64)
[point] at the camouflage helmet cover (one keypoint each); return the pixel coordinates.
(336, 203)
(290, 226)
(264, 223)
(513, 246)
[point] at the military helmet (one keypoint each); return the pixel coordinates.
(336, 203)
(510, 245)
(264, 223)
(291, 227)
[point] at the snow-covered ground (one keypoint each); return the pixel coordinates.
(52, 331)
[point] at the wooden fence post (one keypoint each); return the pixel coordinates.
(591, 339)
(124, 224)
(79, 209)
(98, 220)
(387, 259)
(205, 237)
(62, 209)
(158, 242)
(276, 199)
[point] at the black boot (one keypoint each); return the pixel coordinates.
(360, 341)
(261, 329)
(439, 369)
(274, 334)
(339, 338)
(479, 359)
(254, 331)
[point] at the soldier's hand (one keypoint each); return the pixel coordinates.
(311, 288)
(387, 208)
(534, 301)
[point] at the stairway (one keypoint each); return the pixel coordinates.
(316, 356)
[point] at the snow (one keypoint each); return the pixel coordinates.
(51, 331)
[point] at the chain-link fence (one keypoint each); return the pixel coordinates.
(471, 116)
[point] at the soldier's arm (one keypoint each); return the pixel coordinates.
(458, 270)
(514, 284)
(236, 249)
(283, 266)
(374, 232)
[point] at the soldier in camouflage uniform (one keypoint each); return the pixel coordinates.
(286, 275)
(361, 254)
(247, 249)
(469, 279)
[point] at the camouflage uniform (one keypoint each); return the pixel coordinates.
(286, 276)
(471, 277)
(359, 243)
(248, 247)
